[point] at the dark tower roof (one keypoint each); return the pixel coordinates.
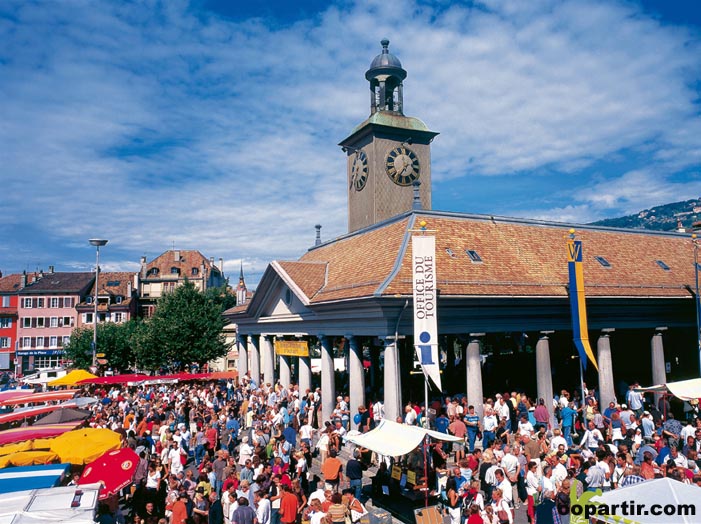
(385, 64)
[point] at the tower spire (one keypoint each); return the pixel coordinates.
(241, 291)
(385, 76)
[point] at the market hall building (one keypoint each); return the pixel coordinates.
(503, 305)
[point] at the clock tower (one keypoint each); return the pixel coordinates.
(389, 152)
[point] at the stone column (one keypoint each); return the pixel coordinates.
(328, 380)
(305, 375)
(393, 381)
(475, 395)
(544, 377)
(607, 391)
(254, 355)
(285, 374)
(243, 355)
(356, 377)
(268, 357)
(659, 371)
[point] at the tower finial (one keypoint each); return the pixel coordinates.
(385, 45)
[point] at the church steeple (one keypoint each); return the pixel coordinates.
(241, 291)
(385, 76)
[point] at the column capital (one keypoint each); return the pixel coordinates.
(546, 333)
(605, 332)
(660, 329)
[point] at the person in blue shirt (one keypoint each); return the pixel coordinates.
(472, 421)
(568, 414)
(442, 422)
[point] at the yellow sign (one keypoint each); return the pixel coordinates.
(292, 348)
(396, 472)
(411, 477)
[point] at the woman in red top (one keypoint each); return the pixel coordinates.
(475, 517)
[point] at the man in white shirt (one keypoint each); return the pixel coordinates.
(262, 507)
(410, 415)
(504, 485)
(591, 438)
(557, 440)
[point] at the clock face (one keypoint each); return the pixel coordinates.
(402, 166)
(359, 171)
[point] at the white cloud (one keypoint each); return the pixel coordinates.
(153, 125)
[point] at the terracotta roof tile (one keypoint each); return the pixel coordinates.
(519, 258)
(309, 276)
(188, 259)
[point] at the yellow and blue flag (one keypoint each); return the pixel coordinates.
(578, 305)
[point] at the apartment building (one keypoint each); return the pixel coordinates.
(47, 314)
(116, 299)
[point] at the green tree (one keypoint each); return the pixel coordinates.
(114, 340)
(186, 327)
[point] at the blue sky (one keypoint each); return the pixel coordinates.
(213, 125)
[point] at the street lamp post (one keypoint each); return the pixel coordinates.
(695, 241)
(97, 242)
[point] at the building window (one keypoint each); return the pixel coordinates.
(40, 342)
(46, 362)
(87, 318)
(174, 270)
(4, 342)
(88, 300)
(604, 263)
(118, 317)
(153, 272)
(54, 302)
(66, 340)
(26, 342)
(473, 256)
(5, 301)
(5, 322)
(26, 322)
(66, 322)
(54, 322)
(27, 302)
(40, 322)
(40, 302)
(664, 266)
(53, 342)
(118, 299)
(195, 271)
(68, 302)
(450, 252)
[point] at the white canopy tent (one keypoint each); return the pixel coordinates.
(664, 492)
(69, 504)
(684, 389)
(393, 439)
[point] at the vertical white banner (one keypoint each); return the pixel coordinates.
(423, 256)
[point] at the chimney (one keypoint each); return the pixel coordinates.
(143, 267)
(128, 289)
(41, 273)
(51, 270)
(211, 262)
(176, 255)
(136, 282)
(23, 280)
(317, 240)
(221, 265)
(416, 205)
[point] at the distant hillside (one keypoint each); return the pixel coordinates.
(660, 218)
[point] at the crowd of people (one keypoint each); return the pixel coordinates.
(526, 458)
(242, 453)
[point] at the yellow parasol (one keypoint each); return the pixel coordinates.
(85, 445)
(9, 449)
(72, 378)
(30, 458)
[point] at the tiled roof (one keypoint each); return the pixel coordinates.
(114, 284)
(59, 283)
(10, 283)
(310, 276)
(519, 258)
(187, 260)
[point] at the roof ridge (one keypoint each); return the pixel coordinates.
(400, 257)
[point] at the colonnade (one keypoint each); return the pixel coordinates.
(254, 349)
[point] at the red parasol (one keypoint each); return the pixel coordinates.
(114, 379)
(114, 470)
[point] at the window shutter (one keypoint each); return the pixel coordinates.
(32, 342)
(60, 301)
(34, 302)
